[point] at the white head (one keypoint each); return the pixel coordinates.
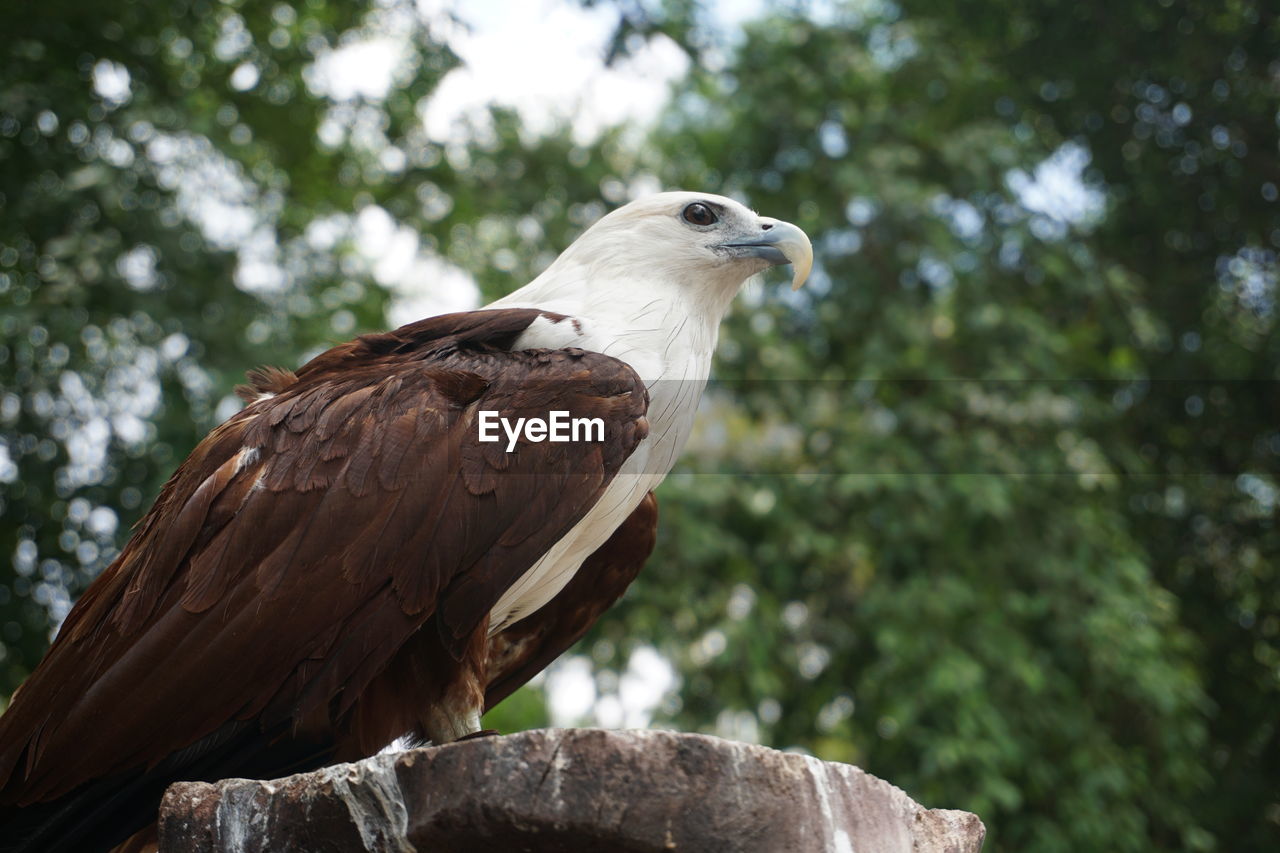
(706, 245)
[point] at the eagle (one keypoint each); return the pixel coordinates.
(349, 559)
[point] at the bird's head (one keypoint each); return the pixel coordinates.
(699, 239)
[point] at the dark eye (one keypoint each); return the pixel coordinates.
(699, 214)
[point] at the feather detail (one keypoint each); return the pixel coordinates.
(309, 539)
(265, 382)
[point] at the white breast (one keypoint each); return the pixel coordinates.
(674, 359)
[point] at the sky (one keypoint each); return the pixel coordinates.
(542, 58)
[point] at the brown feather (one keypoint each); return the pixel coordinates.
(522, 650)
(278, 586)
(265, 380)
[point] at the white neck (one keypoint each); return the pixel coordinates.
(665, 328)
(660, 315)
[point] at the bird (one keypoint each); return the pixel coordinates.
(350, 559)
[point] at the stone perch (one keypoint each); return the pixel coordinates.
(566, 791)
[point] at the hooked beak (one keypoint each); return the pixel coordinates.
(780, 243)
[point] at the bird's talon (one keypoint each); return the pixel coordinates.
(480, 734)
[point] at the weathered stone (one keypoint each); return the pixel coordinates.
(570, 790)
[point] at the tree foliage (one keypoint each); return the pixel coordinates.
(988, 509)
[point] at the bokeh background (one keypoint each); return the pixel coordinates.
(988, 509)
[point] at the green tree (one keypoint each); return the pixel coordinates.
(119, 127)
(988, 508)
(1179, 108)
(1027, 566)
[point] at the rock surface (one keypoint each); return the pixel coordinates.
(570, 790)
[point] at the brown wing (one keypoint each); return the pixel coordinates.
(524, 649)
(309, 536)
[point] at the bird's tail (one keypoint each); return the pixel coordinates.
(95, 817)
(102, 814)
